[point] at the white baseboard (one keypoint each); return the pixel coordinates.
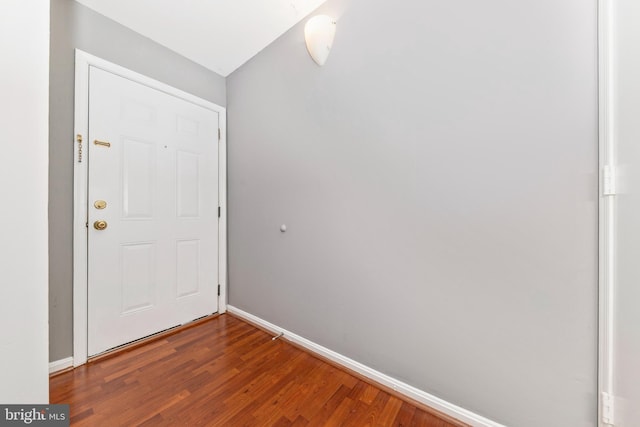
(59, 365)
(380, 378)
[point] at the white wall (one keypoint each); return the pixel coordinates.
(24, 83)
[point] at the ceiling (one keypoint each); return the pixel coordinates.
(221, 35)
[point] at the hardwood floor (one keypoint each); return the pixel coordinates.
(225, 372)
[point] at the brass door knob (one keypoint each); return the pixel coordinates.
(100, 225)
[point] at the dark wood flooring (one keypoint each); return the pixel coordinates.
(225, 372)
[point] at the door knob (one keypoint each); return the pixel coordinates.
(100, 204)
(100, 225)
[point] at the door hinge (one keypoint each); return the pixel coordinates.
(218, 290)
(608, 180)
(607, 409)
(219, 135)
(219, 210)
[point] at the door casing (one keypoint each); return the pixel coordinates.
(83, 61)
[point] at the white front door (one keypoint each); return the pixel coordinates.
(153, 180)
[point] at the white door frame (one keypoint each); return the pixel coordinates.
(606, 233)
(80, 179)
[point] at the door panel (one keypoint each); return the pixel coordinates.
(155, 264)
(188, 176)
(188, 262)
(138, 178)
(138, 279)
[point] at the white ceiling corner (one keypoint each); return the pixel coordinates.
(221, 35)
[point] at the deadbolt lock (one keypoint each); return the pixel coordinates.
(100, 204)
(100, 225)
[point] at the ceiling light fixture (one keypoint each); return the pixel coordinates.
(319, 32)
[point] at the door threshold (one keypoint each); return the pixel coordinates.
(151, 338)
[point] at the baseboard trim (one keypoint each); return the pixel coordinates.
(398, 386)
(60, 365)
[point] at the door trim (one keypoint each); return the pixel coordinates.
(83, 61)
(606, 230)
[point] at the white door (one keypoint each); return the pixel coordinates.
(153, 180)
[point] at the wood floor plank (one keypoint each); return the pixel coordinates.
(369, 394)
(300, 422)
(329, 408)
(422, 419)
(324, 389)
(274, 407)
(340, 413)
(405, 415)
(371, 415)
(225, 372)
(389, 412)
(305, 391)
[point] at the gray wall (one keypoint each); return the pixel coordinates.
(438, 177)
(75, 26)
